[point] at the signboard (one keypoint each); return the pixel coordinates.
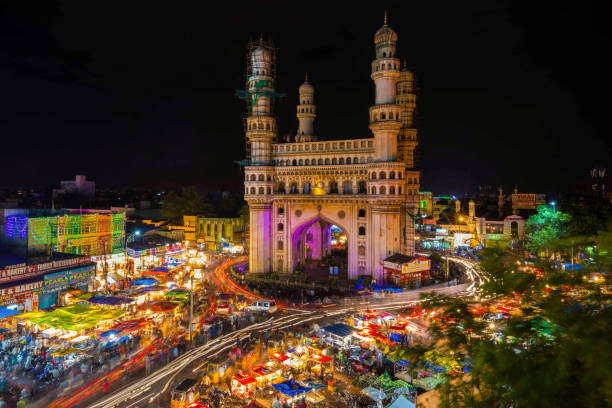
(441, 233)
(523, 201)
(20, 292)
(429, 222)
(61, 280)
(21, 271)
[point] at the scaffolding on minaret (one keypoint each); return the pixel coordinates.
(257, 87)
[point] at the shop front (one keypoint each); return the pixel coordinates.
(22, 296)
(79, 278)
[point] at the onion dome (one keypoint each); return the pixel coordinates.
(385, 34)
(306, 87)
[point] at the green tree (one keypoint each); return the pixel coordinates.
(544, 230)
(244, 214)
(189, 202)
(554, 353)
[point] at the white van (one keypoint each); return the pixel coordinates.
(263, 305)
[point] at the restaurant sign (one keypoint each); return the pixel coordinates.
(61, 280)
(23, 271)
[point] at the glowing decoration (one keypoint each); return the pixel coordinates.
(16, 227)
(83, 234)
(319, 188)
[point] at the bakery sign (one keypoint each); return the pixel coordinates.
(18, 293)
(23, 271)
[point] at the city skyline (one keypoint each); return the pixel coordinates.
(152, 105)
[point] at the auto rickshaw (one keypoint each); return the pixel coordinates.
(185, 394)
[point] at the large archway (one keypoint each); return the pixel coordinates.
(320, 249)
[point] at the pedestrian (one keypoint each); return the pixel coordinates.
(106, 386)
(147, 365)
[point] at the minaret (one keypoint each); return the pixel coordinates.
(306, 113)
(386, 181)
(385, 114)
(261, 132)
(406, 98)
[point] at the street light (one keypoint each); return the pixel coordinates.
(554, 206)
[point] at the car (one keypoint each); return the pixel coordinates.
(263, 305)
(223, 308)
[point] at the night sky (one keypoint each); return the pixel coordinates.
(141, 94)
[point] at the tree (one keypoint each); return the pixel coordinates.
(554, 352)
(544, 230)
(189, 202)
(244, 214)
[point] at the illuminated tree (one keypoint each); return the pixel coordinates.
(544, 230)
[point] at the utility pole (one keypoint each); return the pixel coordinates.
(191, 310)
(447, 267)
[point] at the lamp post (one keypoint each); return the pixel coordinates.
(554, 206)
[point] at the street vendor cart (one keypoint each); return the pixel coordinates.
(185, 393)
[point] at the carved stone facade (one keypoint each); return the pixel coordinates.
(367, 187)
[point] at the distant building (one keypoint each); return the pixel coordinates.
(80, 185)
(403, 270)
(216, 233)
(30, 232)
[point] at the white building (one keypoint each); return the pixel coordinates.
(367, 187)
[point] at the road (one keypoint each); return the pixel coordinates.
(145, 392)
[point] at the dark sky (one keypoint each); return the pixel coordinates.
(142, 93)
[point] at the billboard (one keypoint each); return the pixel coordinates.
(523, 201)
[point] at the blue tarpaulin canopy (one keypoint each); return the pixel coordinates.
(162, 269)
(403, 363)
(5, 312)
(110, 300)
(145, 282)
(109, 333)
(340, 329)
(291, 388)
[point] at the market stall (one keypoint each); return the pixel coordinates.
(243, 385)
(292, 392)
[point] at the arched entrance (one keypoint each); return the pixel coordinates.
(320, 249)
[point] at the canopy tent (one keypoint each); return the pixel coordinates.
(5, 312)
(64, 352)
(320, 358)
(147, 289)
(30, 315)
(155, 273)
(131, 325)
(110, 333)
(85, 296)
(340, 329)
(160, 306)
(401, 402)
(161, 269)
(110, 300)
(76, 317)
(279, 356)
(290, 388)
(374, 393)
(145, 282)
(178, 294)
(80, 339)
